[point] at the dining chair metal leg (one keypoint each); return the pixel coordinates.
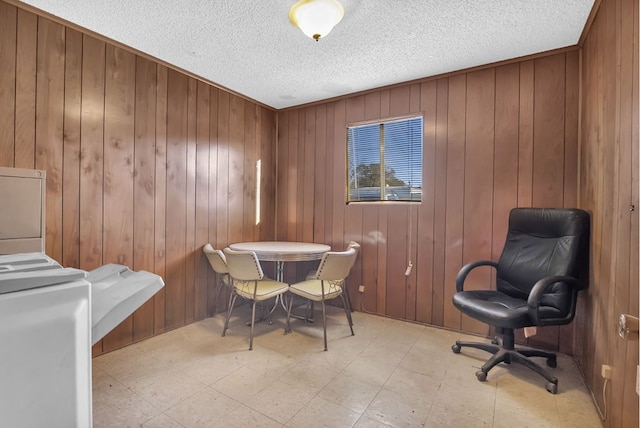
(232, 303)
(215, 304)
(308, 311)
(347, 296)
(264, 307)
(269, 311)
(231, 294)
(347, 313)
(287, 328)
(324, 324)
(253, 322)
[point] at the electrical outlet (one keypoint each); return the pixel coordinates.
(361, 289)
(607, 371)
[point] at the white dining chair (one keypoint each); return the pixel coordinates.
(328, 284)
(249, 282)
(312, 274)
(218, 263)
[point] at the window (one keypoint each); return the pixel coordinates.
(384, 161)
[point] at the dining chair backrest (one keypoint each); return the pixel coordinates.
(335, 265)
(216, 258)
(243, 265)
(355, 246)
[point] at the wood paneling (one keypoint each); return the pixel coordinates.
(440, 122)
(454, 196)
(478, 181)
(190, 236)
(26, 86)
(176, 208)
(118, 187)
(222, 171)
(144, 184)
(203, 155)
(268, 202)
(236, 169)
(144, 165)
(425, 235)
(608, 188)
(160, 194)
(548, 165)
(212, 193)
(525, 134)
(91, 153)
(494, 139)
(49, 125)
(8, 46)
(72, 149)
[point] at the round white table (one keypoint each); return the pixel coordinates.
(283, 251)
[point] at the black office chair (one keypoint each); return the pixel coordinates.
(543, 265)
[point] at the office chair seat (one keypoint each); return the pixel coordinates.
(499, 309)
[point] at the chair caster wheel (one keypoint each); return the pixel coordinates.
(552, 387)
(551, 362)
(455, 348)
(482, 376)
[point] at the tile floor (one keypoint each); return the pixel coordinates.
(391, 373)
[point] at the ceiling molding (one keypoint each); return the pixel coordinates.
(439, 76)
(589, 23)
(251, 50)
(103, 38)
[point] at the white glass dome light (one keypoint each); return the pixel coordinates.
(316, 18)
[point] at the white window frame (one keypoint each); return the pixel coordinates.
(408, 193)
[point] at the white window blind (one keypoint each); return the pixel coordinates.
(385, 161)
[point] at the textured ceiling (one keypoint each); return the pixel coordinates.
(251, 48)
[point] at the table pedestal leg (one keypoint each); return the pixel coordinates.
(279, 271)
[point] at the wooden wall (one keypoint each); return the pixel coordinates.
(608, 188)
(494, 138)
(144, 164)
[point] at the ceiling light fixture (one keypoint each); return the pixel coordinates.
(316, 18)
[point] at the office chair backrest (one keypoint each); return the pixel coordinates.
(543, 242)
(216, 258)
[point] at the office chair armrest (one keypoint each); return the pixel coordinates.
(538, 290)
(466, 269)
